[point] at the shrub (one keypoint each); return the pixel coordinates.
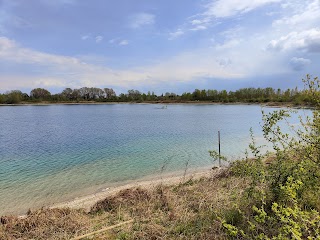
(283, 196)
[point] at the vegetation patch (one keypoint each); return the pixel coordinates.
(283, 193)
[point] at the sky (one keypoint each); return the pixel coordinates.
(158, 45)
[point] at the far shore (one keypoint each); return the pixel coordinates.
(267, 104)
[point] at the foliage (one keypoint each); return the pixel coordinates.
(13, 97)
(283, 195)
(244, 95)
(40, 93)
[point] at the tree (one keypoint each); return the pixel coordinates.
(203, 94)
(40, 94)
(186, 96)
(134, 95)
(223, 96)
(67, 93)
(2, 98)
(109, 93)
(96, 93)
(196, 95)
(13, 97)
(170, 96)
(75, 94)
(84, 93)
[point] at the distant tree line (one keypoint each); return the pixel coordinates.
(247, 95)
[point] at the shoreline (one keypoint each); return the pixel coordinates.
(268, 104)
(114, 103)
(87, 201)
(88, 198)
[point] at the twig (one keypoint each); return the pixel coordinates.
(102, 230)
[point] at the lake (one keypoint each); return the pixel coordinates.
(54, 153)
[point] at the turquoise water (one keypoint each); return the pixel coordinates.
(54, 153)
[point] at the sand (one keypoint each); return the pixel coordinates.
(86, 202)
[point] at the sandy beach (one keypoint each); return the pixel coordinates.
(86, 202)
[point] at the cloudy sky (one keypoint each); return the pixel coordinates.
(158, 45)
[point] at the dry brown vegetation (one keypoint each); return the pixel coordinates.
(189, 210)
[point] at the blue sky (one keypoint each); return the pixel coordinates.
(158, 45)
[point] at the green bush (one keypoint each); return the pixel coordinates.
(283, 199)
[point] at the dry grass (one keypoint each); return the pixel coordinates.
(188, 210)
(44, 224)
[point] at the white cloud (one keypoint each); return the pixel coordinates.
(223, 62)
(6, 44)
(189, 66)
(84, 37)
(176, 34)
(10, 50)
(123, 42)
(200, 21)
(49, 82)
(120, 42)
(228, 8)
(60, 71)
(302, 13)
(99, 39)
(198, 27)
(196, 22)
(191, 26)
(142, 19)
(299, 64)
(18, 81)
(308, 40)
(56, 70)
(215, 10)
(93, 59)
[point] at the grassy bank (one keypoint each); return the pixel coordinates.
(188, 210)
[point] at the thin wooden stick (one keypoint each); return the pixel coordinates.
(219, 149)
(102, 230)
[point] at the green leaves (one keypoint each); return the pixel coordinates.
(285, 193)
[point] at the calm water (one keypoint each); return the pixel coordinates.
(53, 153)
